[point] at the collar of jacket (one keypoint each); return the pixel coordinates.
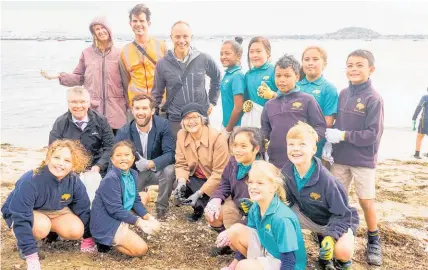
(317, 82)
(289, 172)
(171, 58)
(273, 206)
(204, 137)
(91, 118)
(118, 172)
(45, 173)
(292, 91)
(359, 88)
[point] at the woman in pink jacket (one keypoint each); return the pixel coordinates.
(98, 72)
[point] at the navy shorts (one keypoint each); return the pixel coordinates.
(423, 127)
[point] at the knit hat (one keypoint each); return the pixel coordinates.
(193, 107)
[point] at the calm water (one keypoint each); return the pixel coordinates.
(30, 104)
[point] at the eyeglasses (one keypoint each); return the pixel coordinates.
(193, 118)
(78, 102)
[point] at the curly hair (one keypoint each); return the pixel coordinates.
(264, 170)
(80, 159)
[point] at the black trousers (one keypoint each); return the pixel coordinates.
(194, 185)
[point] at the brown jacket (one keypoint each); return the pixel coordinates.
(212, 155)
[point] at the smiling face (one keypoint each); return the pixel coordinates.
(258, 54)
(259, 187)
(192, 122)
(301, 150)
(228, 56)
(313, 64)
(142, 112)
(139, 24)
(60, 162)
(181, 36)
(101, 32)
(78, 104)
(358, 70)
(243, 151)
(285, 79)
(123, 158)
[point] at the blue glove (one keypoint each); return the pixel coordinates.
(192, 199)
(333, 135)
(180, 190)
(414, 125)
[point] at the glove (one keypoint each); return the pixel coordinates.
(327, 248)
(33, 262)
(326, 152)
(222, 239)
(141, 163)
(192, 199)
(246, 205)
(212, 210)
(180, 190)
(88, 245)
(148, 226)
(414, 125)
(267, 142)
(265, 92)
(333, 135)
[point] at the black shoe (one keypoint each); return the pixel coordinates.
(51, 237)
(215, 251)
(103, 248)
(195, 216)
(374, 253)
(326, 265)
(161, 214)
(417, 157)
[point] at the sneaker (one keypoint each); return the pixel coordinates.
(215, 251)
(374, 253)
(343, 266)
(195, 216)
(161, 214)
(326, 265)
(103, 248)
(417, 157)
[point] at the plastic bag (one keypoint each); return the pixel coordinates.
(252, 115)
(91, 180)
(216, 118)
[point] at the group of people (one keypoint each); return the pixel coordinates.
(286, 156)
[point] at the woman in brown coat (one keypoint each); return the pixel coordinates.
(201, 155)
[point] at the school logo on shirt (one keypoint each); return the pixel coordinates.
(267, 227)
(265, 78)
(315, 196)
(297, 106)
(360, 107)
(65, 197)
(316, 92)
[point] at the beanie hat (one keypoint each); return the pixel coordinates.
(193, 107)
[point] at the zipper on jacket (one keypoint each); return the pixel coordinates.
(103, 84)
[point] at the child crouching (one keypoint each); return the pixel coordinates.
(272, 238)
(116, 196)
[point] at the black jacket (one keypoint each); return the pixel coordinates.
(97, 137)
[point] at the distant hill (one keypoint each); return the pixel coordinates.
(353, 33)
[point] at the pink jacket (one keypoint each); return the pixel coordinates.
(99, 74)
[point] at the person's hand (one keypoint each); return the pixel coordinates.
(33, 262)
(180, 190)
(265, 92)
(148, 226)
(142, 163)
(414, 125)
(212, 210)
(47, 76)
(226, 134)
(210, 109)
(154, 224)
(326, 152)
(88, 245)
(333, 135)
(222, 239)
(192, 199)
(327, 248)
(246, 205)
(96, 169)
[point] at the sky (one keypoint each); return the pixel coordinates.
(220, 17)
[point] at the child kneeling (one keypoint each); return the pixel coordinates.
(111, 212)
(272, 238)
(51, 200)
(319, 199)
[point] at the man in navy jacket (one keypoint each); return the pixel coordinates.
(155, 149)
(87, 126)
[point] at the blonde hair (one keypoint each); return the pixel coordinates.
(264, 170)
(302, 130)
(322, 52)
(80, 159)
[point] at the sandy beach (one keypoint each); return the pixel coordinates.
(402, 196)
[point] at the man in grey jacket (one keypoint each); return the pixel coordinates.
(182, 72)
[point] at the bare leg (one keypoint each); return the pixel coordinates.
(68, 226)
(419, 138)
(132, 245)
(41, 225)
(369, 209)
